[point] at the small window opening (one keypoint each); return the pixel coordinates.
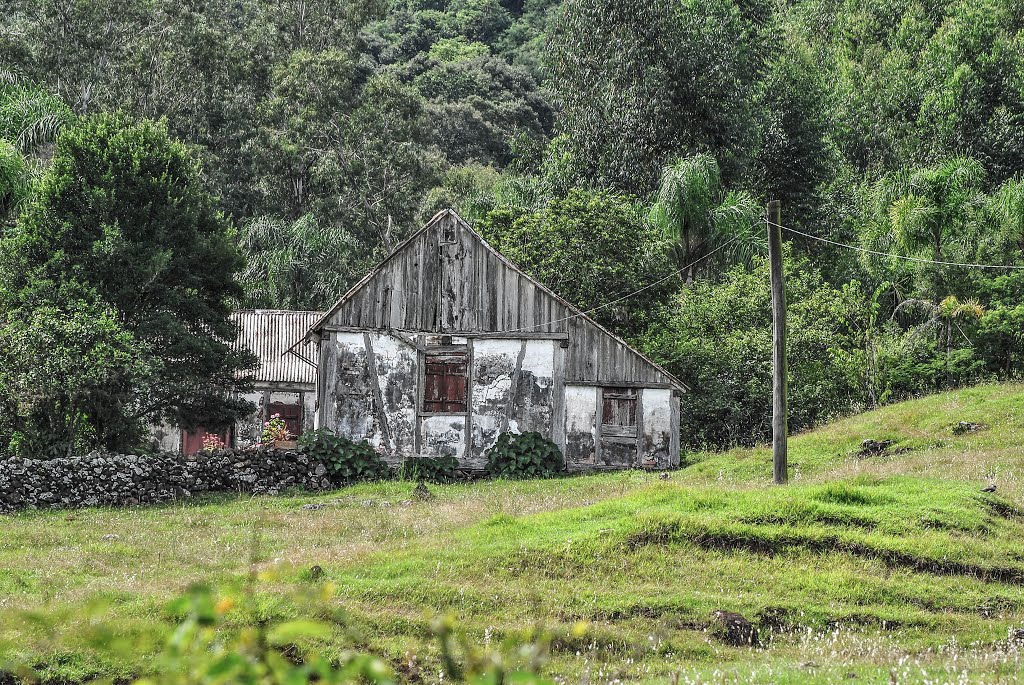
(619, 407)
(290, 413)
(444, 383)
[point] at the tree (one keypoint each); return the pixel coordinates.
(928, 213)
(701, 217)
(15, 181)
(30, 119)
(644, 82)
(717, 337)
(70, 378)
(123, 214)
(794, 156)
(592, 248)
(297, 265)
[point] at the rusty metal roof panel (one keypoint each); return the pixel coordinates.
(269, 333)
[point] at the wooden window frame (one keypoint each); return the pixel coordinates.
(290, 421)
(433, 399)
(619, 402)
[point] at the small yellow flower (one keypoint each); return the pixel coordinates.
(225, 605)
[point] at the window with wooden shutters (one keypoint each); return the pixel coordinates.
(619, 407)
(444, 382)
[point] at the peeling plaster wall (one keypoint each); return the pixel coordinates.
(248, 429)
(351, 397)
(352, 410)
(444, 435)
(656, 440)
(494, 364)
(397, 375)
(580, 425)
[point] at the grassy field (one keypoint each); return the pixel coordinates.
(891, 568)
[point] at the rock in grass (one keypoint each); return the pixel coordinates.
(316, 572)
(870, 447)
(733, 629)
(313, 507)
(422, 493)
(964, 427)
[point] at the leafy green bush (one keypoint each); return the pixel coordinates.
(433, 469)
(346, 461)
(229, 635)
(529, 455)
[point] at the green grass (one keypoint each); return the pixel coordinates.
(893, 567)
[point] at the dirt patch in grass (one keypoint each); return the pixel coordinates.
(774, 542)
(890, 557)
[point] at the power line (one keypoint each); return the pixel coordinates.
(895, 256)
(638, 291)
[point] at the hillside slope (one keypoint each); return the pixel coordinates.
(893, 567)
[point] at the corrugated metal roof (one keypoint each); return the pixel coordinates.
(269, 333)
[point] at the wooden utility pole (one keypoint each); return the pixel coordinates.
(780, 423)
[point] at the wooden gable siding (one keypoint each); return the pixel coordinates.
(465, 287)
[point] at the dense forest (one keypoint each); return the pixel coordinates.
(620, 151)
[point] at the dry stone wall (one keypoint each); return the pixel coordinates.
(118, 479)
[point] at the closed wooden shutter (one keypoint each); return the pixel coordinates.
(444, 383)
(619, 407)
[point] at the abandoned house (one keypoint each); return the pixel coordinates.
(447, 344)
(284, 384)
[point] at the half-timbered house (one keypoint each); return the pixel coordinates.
(447, 344)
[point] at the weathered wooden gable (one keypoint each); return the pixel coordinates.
(447, 280)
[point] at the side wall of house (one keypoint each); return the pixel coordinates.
(371, 391)
(372, 385)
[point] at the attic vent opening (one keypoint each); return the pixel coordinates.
(448, 233)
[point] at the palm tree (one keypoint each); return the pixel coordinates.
(701, 217)
(943, 318)
(923, 211)
(298, 265)
(30, 117)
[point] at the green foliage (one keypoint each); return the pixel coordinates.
(642, 83)
(346, 461)
(433, 469)
(296, 265)
(702, 218)
(589, 247)
(208, 647)
(15, 180)
(719, 341)
(525, 455)
(71, 379)
(30, 117)
(122, 217)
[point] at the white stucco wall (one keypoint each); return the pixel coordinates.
(657, 425)
(396, 375)
(580, 425)
(494, 364)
